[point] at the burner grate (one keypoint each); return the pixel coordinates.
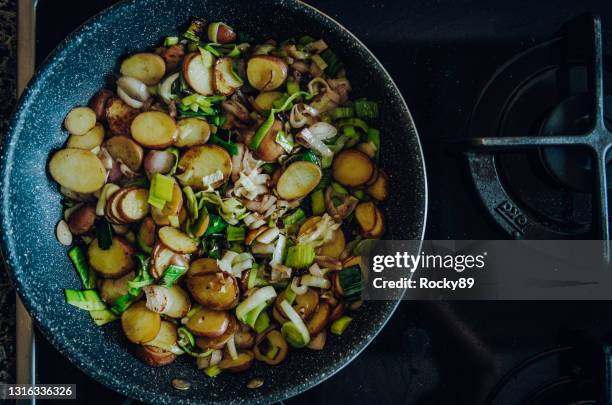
(483, 152)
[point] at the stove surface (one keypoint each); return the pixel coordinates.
(441, 54)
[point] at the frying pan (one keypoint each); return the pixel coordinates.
(38, 264)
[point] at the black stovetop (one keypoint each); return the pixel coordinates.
(441, 54)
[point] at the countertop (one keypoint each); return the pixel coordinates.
(8, 56)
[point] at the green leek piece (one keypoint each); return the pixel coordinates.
(122, 303)
(338, 188)
(172, 275)
(318, 60)
(216, 225)
(333, 63)
(343, 112)
(351, 283)
(300, 256)
(262, 131)
(262, 323)
(102, 317)
(295, 217)
(161, 190)
(252, 279)
(354, 122)
(169, 41)
(290, 295)
(230, 146)
(77, 256)
(318, 202)
(88, 300)
(293, 335)
(235, 233)
(350, 131)
(212, 371)
(340, 325)
(374, 137)
(293, 86)
(366, 109)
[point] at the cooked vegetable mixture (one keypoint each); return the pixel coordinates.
(210, 197)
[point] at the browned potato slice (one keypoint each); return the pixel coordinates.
(174, 207)
(173, 302)
(266, 72)
(219, 342)
(299, 179)
(80, 120)
(269, 150)
(192, 132)
(166, 337)
(308, 224)
(204, 160)
(201, 226)
(225, 81)
(216, 291)
(319, 320)
(133, 205)
(244, 339)
(93, 138)
(114, 262)
(162, 257)
(254, 234)
(146, 233)
(209, 323)
(304, 304)
(82, 219)
(365, 213)
(154, 129)
(119, 116)
(205, 265)
(199, 77)
(177, 240)
(139, 324)
(278, 317)
(379, 229)
(352, 168)
(380, 189)
(154, 356)
(125, 150)
(274, 339)
(78, 170)
(99, 101)
(334, 247)
(337, 312)
(111, 289)
(149, 68)
(243, 362)
(263, 101)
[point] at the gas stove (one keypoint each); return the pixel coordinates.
(489, 84)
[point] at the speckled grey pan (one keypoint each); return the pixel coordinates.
(31, 206)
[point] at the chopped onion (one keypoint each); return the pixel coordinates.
(308, 139)
(165, 90)
(231, 348)
(258, 248)
(317, 282)
(322, 130)
(296, 319)
(133, 88)
(269, 235)
(279, 249)
(254, 300)
(298, 289)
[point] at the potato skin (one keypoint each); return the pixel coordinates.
(82, 220)
(154, 356)
(119, 116)
(173, 55)
(99, 101)
(208, 323)
(219, 342)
